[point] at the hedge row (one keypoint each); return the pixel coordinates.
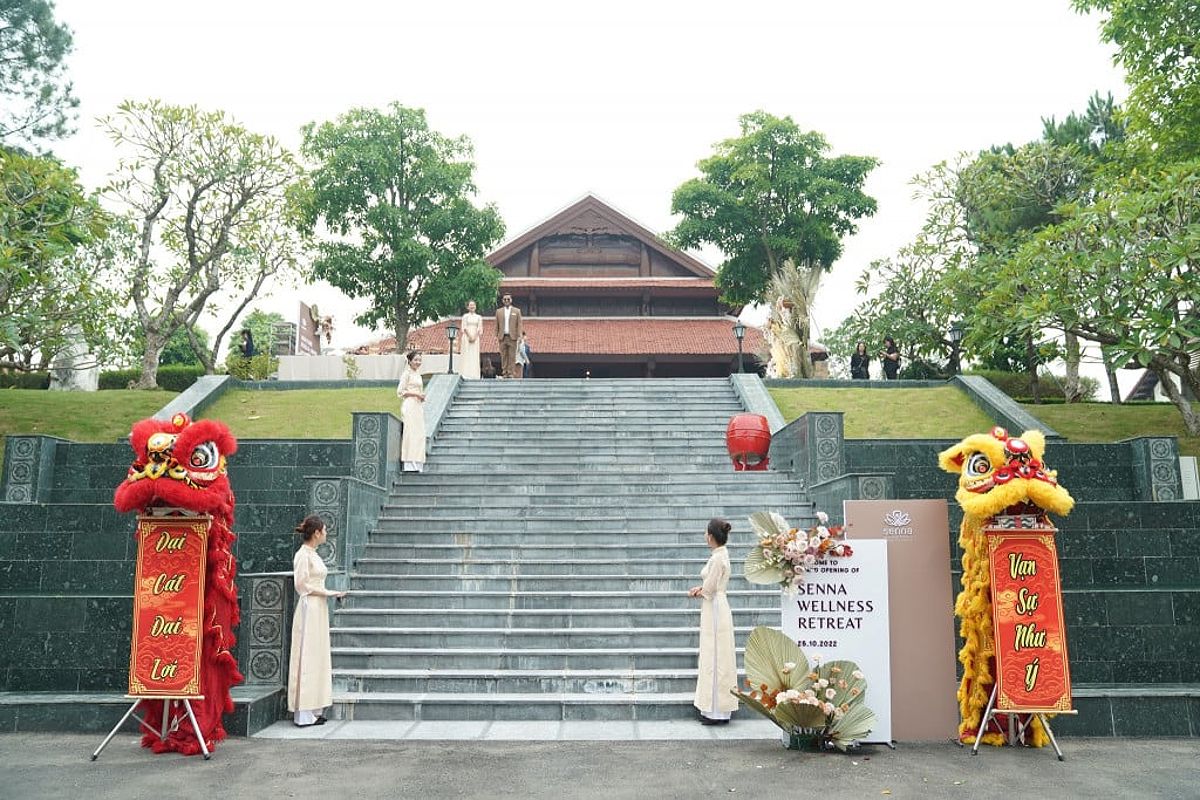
(1016, 384)
(173, 378)
(25, 380)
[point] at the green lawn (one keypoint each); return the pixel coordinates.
(299, 413)
(939, 413)
(1104, 422)
(81, 416)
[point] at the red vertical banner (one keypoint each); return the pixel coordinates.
(1032, 672)
(168, 607)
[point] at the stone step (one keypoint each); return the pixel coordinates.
(501, 448)
(646, 460)
(658, 508)
(636, 584)
(584, 434)
(516, 681)
(438, 491)
(534, 706)
(400, 534)
(590, 524)
(526, 553)
(520, 638)
(255, 708)
(468, 497)
(494, 658)
(575, 567)
(543, 618)
(504, 600)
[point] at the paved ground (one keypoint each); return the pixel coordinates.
(57, 766)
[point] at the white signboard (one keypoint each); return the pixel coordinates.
(841, 612)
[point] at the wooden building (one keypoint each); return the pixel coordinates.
(603, 296)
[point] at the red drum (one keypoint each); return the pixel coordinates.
(748, 439)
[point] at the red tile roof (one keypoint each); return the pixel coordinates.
(599, 336)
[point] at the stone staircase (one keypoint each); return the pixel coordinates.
(554, 588)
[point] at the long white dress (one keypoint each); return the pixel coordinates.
(412, 414)
(717, 675)
(310, 673)
(468, 350)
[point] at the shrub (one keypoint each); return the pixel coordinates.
(259, 368)
(1016, 384)
(25, 380)
(921, 371)
(173, 377)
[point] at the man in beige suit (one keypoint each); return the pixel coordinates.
(508, 334)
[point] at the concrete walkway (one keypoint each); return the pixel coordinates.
(36, 766)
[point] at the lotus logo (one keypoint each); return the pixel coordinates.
(896, 519)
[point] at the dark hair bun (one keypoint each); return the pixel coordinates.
(727, 527)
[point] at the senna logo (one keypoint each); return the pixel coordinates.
(897, 523)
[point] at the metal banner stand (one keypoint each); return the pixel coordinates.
(1016, 731)
(166, 728)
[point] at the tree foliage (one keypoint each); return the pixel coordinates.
(395, 200)
(1158, 45)
(37, 99)
(1124, 271)
(202, 194)
(54, 251)
(768, 197)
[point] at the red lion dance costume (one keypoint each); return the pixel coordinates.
(179, 464)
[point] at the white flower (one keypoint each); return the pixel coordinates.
(822, 517)
(857, 675)
(828, 708)
(814, 542)
(823, 532)
(821, 684)
(809, 559)
(788, 666)
(840, 550)
(830, 693)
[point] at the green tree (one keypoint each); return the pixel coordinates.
(38, 103)
(769, 198)
(179, 348)
(272, 250)
(1158, 45)
(1006, 197)
(200, 191)
(1124, 271)
(396, 199)
(54, 251)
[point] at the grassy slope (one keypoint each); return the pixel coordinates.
(82, 416)
(943, 413)
(940, 413)
(299, 414)
(1104, 422)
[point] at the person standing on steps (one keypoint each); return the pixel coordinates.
(508, 334)
(716, 677)
(860, 363)
(524, 362)
(310, 672)
(468, 343)
(412, 414)
(890, 358)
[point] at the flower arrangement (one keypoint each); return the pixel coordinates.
(783, 554)
(821, 702)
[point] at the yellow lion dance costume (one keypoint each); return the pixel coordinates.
(997, 474)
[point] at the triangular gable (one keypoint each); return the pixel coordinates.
(590, 216)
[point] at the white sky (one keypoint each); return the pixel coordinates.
(617, 98)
